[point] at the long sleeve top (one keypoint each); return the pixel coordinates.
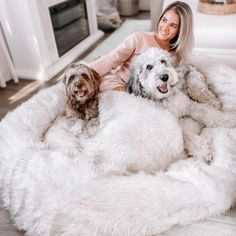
(115, 66)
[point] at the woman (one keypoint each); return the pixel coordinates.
(174, 34)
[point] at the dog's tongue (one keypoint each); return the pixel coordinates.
(81, 93)
(164, 87)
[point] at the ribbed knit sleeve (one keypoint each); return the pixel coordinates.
(115, 57)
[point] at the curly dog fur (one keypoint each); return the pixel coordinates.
(81, 91)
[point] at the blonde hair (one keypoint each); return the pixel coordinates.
(182, 44)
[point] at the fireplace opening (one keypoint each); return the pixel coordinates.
(70, 24)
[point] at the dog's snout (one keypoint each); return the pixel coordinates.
(79, 86)
(164, 77)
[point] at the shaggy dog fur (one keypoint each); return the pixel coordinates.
(153, 77)
(196, 85)
(81, 91)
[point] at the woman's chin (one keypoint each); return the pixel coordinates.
(163, 37)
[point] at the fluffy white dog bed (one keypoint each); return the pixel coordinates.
(51, 185)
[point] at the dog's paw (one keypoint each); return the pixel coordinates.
(184, 70)
(188, 69)
(206, 151)
(215, 102)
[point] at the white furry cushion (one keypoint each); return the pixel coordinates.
(52, 175)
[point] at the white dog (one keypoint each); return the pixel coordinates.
(153, 77)
(139, 134)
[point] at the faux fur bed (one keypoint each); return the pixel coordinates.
(58, 177)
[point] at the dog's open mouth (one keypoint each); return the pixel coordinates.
(81, 93)
(163, 88)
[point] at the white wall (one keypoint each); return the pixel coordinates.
(156, 10)
(7, 71)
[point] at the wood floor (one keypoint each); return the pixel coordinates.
(16, 93)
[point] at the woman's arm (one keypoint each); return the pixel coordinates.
(115, 57)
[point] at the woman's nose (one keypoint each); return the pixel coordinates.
(165, 27)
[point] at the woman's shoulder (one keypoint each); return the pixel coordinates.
(142, 34)
(142, 37)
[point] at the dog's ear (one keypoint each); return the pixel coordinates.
(96, 76)
(134, 85)
(64, 78)
(68, 72)
(129, 85)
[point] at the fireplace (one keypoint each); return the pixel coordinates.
(70, 24)
(44, 36)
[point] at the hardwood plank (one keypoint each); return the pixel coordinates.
(6, 227)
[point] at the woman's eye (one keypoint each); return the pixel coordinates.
(149, 67)
(173, 26)
(164, 19)
(163, 62)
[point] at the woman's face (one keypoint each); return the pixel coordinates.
(168, 26)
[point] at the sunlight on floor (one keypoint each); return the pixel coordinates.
(27, 90)
(30, 88)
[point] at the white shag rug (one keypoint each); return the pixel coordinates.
(53, 179)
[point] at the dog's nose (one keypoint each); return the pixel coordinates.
(164, 77)
(79, 86)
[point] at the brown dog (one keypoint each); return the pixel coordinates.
(81, 91)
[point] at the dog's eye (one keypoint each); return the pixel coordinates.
(84, 75)
(163, 62)
(71, 78)
(149, 67)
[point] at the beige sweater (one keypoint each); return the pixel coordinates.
(115, 66)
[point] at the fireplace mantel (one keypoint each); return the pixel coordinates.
(28, 30)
